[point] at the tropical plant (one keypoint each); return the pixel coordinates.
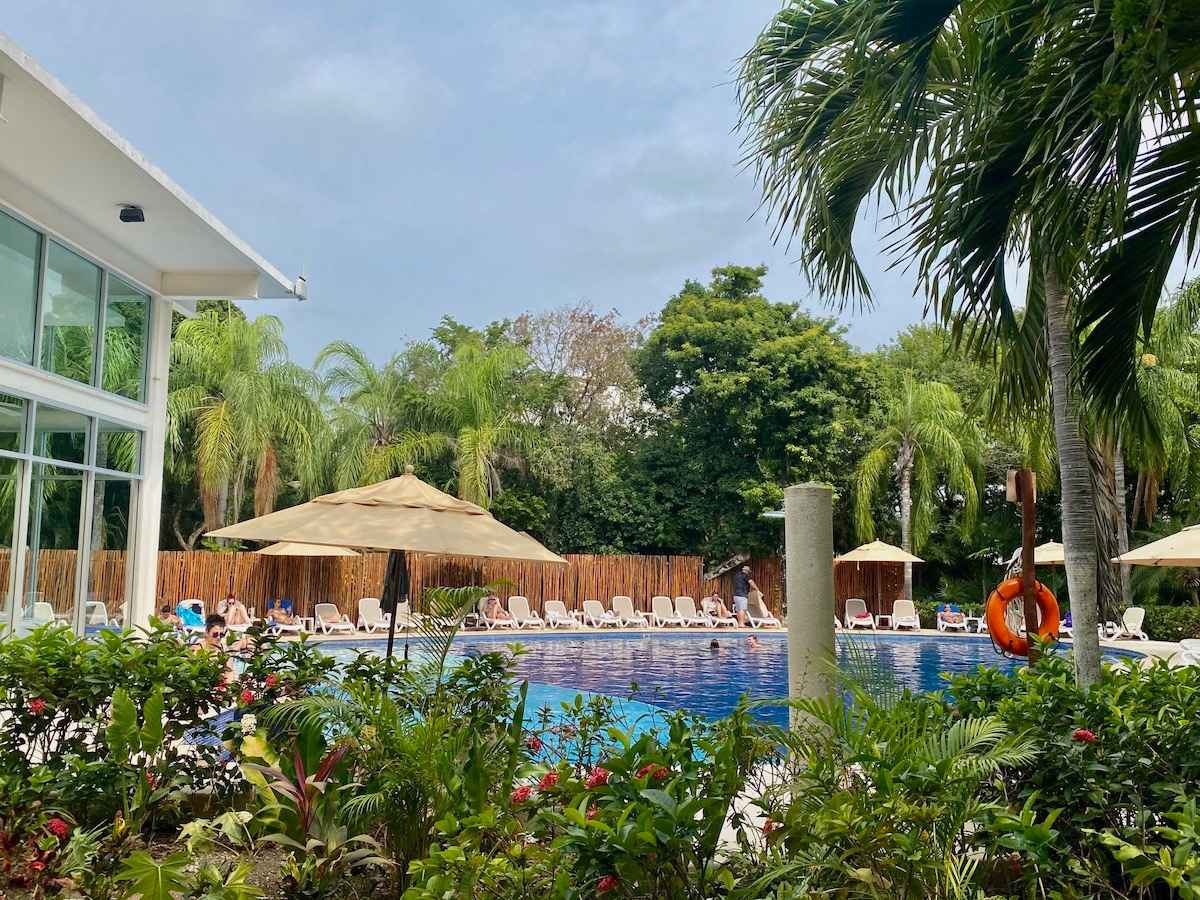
(925, 437)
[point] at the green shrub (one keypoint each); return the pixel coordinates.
(1172, 623)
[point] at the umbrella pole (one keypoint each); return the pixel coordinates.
(395, 583)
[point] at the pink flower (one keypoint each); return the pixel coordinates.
(1084, 736)
(37, 706)
(549, 780)
(271, 680)
(592, 812)
(769, 825)
(37, 865)
(59, 828)
(520, 795)
(247, 697)
(534, 743)
(151, 780)
(607, 883)
(598, 777)
(655, 771)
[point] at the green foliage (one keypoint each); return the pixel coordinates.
(1172, 623)
(1170, 859)
(153, 879)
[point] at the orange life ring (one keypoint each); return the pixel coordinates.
(1004, 636)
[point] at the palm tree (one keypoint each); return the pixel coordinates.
(926, 438)
(234, 392)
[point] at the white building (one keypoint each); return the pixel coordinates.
(86, 299)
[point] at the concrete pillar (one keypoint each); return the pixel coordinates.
(808, 542)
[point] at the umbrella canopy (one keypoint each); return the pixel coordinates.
(1047, 554)
(878, 552)
(1180, 549)
(401, 513)
(289, 548)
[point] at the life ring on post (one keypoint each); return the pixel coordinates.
(1004, 635)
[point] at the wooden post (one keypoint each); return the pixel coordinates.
(1027, 494)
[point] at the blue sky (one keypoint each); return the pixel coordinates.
(471, 159)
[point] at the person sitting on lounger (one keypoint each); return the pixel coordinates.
(718, 607)
(278, 615)
(213, 641)
(234, 611)
(494, 609)
(950, 614)
(167, 616)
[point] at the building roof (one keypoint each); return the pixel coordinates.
(70, 173)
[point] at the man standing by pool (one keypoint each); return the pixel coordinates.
(743, 584)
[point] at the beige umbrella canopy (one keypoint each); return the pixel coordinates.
(878, 552)
(1180, 549)
(289, 548)
(1048, 554)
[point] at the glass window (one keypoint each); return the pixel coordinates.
(10, 480)
(126, 313)
(20, 253)
(118, 447)
(55, 500)
(12, 423)
(59, 434)
(70, 303)
(112, 514)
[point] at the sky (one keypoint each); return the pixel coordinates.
(473, 159)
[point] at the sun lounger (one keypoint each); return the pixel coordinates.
(490, 623)
(663, 612)
(685, 608)
(43, 613)
(518, 608)
(1188, 653)
(623, 609)
(904, 615)
(757, 613)
(596, 616)
(328, 618)
(370, 617)
(857, 614)
(557, 615)
(709, 608)
(405, 617)
(944, 624)
(1131, 625)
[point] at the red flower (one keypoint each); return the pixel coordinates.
(151, 780)
(769, 825)
(607, 883)
(549, 780)
(655, 771)
(37, 706)
(534, 743)
(520, 795)
(37, 865)
(271, 680)
(1084, 736)
(58, 827)
(593, 811)
(598, 777)
(247, 697)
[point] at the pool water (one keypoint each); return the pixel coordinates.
(681, 671)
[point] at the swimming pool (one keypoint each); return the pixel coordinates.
(680, 671)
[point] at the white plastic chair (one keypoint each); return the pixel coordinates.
(904, 614)
(685, 608)
(95, 613)
(596, 616)
(405, 617)
(370, 616)
(43, 613)
(757, 613)
(663, 612)
(557, 615)
(622, 608)
(329, 618)
(1188, 653)
(709, 608)
(857, 614)
(518, 608)
(1131, 625)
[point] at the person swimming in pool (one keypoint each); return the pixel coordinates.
(752, 642)
(714, 645)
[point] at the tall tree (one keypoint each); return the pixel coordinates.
(926, 440)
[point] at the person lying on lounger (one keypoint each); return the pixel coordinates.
(494, 609)
(950, 614)
(278, 615)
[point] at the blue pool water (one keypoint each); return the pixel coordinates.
(680, 671)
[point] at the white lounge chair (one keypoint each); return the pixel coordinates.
(1188, 653)
(837, 624)
(329, 618)
(95, 613)
(405, 617)
(596, 616)
(904, 614)
(623, 609)
(370, 616)
(43, 613)
(518, 608)
(757, 613)
(685, 608)
(857, 614)
(1131, 625)
(557, 615)
(709, 608)
(490, 623)
(663, 612)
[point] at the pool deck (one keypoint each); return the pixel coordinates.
(1152, 649)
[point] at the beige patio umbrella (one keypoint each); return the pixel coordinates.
(401, 515)
(1048, 554)
(1179, 549)
(291, 548)
(878, 552)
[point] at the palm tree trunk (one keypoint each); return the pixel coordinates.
(1122, 523)
(1075, 477)
(906, 514)
(1108, 581)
